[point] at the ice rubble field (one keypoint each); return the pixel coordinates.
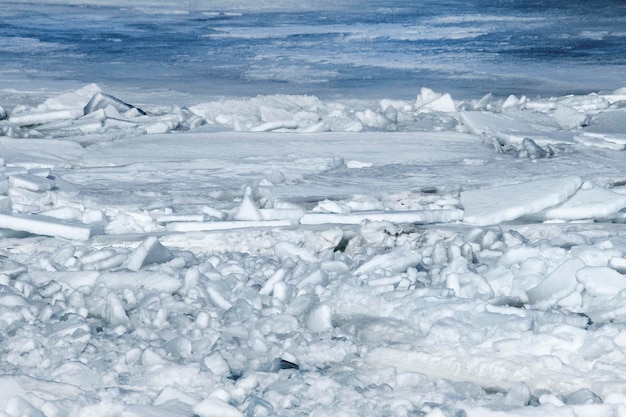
(283, 255)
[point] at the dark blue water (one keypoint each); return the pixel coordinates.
(377, 49)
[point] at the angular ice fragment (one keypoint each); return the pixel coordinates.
(5, 204)
(618, 264)
(398, 260)
(101, 100)
(248, 210)
(320, 318)
(429, 101)
(214, 213)
(31, 182)
(269, 126)
(115, 313)
(216, 364)
(372, 119)
(178, 347)
(533, 150)
(558, 284)
(601, 281)
(286, 250)
(499, 204)
(581, 397)
(150, 251)
(568, 118)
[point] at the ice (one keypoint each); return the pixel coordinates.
(601, 281)
(42, 225)
(215, 407)
(42, 117)
(589, 202)
(311, 209)
(150, 251)
(429, 101)
(505, 203)
(398, 260)
(421, 217)
(558, 284)
(31, 182)
(103, 101)
(568, 118)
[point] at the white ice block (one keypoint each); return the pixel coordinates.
(601, 281)
(150, 251)
(410, 216)
(281, 124)
(5, 203)
(47, 226)
(31, 182)
(558, 284)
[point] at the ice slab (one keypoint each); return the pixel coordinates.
(411, 216)
(587, 203)
(170, 218)
(225, 225)
(601, 281)
(488, 206)
(31, 182)
(47, 226)
(511, 129)
(150, 251)
(614, 142)
(486, 371)
(38, 118)
(558, 284)
(101, 101)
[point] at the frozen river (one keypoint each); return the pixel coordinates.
(352, 49)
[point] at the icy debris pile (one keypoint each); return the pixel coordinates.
(384, 319)
(534, 128)
(90, 111)
(257, 208)
(32, 201)
(580, 119)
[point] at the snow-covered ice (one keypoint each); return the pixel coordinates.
(320, 244)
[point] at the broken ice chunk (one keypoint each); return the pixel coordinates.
(558, 284)
(48, 226)
(150, 251)
(101, 100)
(31, 182)
(398, 260)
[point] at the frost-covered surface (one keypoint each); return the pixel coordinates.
(218, 208)
(287, 255)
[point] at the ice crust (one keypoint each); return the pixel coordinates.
(285, 255)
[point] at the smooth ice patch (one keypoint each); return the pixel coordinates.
(504, 203)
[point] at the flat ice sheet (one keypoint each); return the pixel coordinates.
(505, 203)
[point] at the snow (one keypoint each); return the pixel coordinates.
(227, 209)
